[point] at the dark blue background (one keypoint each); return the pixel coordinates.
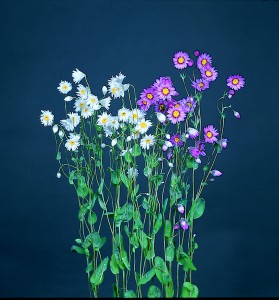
(43, 41)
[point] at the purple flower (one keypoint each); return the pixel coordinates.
(180, 208)
(235, 82)
(193, 133)
(164, 88)
(236, 114)
(169, 155)
(183, 223)
(144, 104)
(161, 106)
(209, 73)
(216, 173)
(197, 53)
(198, 150)
(210, 134)
(190, 63)
(164, 147)
(189, 104)
(176, 140)
(203, 60)
(200, 145)
(176, 114)
(181, 60)
(231, 92)
(195, 152)
(200, 84)
(147, 97)
(223, 143)
(176, 226)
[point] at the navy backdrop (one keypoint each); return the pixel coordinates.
(43, 41)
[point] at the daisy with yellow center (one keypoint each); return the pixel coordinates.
(82, 91)
(103, 119)
(64, 87)
(143, 126)
(149, 96)
(124, 114)
(46, 117)
(147, 141)
(165, 91)
(72, 142)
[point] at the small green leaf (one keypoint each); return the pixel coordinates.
(147, 171)
(77, 249)
(98, 276)
(72, 177)
(161, 270)
(169, 289)
(125, 180)
(128, 157)
(101, 186)
(191, 163)
(130, 294)
(136, 150)
(113, 265)
(124, 258)
(78, 241)
(189, 290)
(89, 267)
(143, 239)
(158, 224)
(115, 179)
(102, 204)
(146, 277)
(167, 229)
(197, 209)
(58, 155)
(92, 218)
(165, 205)
(154, 292)
(170, 253)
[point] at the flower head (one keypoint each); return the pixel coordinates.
(216, 173)
(82, 91)
(223, 143)
(116, 86)
(183, 223)
(180, 208)
(92, 101)
(79, 104)
(203, 60)
(197, 150)
(132, 172)
(86, 112)
(164, 88)
(235, 82)
(46, 117)
(200, 84)
(210, 134)
(193, 133)
(209, 73)
(143, 126)
(64, 87)
(176, 140)
(161, 106)
(72, 142)
(105, 102)
(147, 141)
(75, 119)
(136, 115)
(144, 104)
(236, 114)
(104, 119)
(147, 97)
(124, 114)
(77, 76)
(180, 60)
(161, 117)
(176, 114)
(189, 104)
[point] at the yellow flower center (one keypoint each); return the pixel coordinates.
(177, 105)
(64, 87)
(208, 73)
(113, 90)
(177, 139)
(143, 125)
(201, 84)
(135, 116)
(46, 118)
(209, 134)
(72, 143)
(181, 60)
(204, 61)
(86, 109)
(82, 92)
(161, 107)
(74, 119)
(123, 114)
(189, 104)
(81, 104)
(148, 141)
(235, 81)
(92, 100)
(176, 113)
(149, 96)
(104, 121)
(144, 102)
(165, 91)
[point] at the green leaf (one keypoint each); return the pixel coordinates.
(128, 157)
(123, 214)
(77, 249)
(72, 177)
(82, 212)
(98, 276)
(169, 289)
(185, 260)
(143, 239)
(92, 218)
(101, 186)
(115, 179)
(197, 209)
(147, 171)
(82, 189)
(89, 267)
(145, 204)
(124, 258)
(167, 229)
(154, 292)
(158, 224)
(165, 205)
(102, 204)
(191, 163)
(96, 240)
(78, 241)
(125, 180)
(205, 168)
(158, 179)
(189, 290)
(58, 155)
(147, 277)
(113, 265)
(170, 253)
(136, 151)
(161, 270)
(130, 294)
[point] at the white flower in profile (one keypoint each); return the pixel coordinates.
(132, 172)
(116, 87)
(143, 126)
(46, 117)
(161, 117)
(86, 112)
(136, 115)
(75, 118)
(128, 139)
(135, 135)
(67, 124)
(114, 122)
(167, 136)
(124, 151)
(72, 142)
(92, 100)
(104, 90)
(55, 128)
(108, 132)
(77, 76)
(64, 87)
(82, 91)
(68, 98)
(79, 104)
(103, 119)
(168, 144)
(105, 102)
(124, 114)
(147, 141)
(114, 142)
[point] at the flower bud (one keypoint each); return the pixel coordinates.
(164, 147)
(236, 114)
(197, 53)
(55, 128)
(58, 175)
(190, 63)
(171, 165)
(186, 136)
(176, 226)
(104, 90)
(68, 98)
(103, 145)
(129, 138)
(198, 160)
(161, 117)
(183, 223)
(61, 133)
(216, 173)
(168, 144)
(180, 208)
(114, 142)
(167, 136)
(169, 155)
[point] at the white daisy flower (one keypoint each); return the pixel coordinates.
(116, 87)
(77, 76)
(147, 141)
(75, 118)
(104, 90)
(105, 102)
(46, 117)
(124, 114)
(135, 134)
(79, 104)
(92, 100)
(108, 132)
(104, 119)
(64, 87)
(67, 124)
(114, 122)
(72, 142)
(82, 91)
(55, 128)
(143, 126)
(68, 98)
(86, 112)
(132, 172)
(136, 115)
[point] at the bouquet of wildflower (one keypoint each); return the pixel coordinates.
(139, 173)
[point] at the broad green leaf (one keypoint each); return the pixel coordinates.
(124, 258)
(130, 294)
(191, 163)
(154, 292)
(145, 204)
(125, 180)
(82, 191)
(136, 151)
(72, 177)
(147, 171)
(102, 204)
(113, 265)
(147, 277)
(115, 179)
(158, 179)
(189, 290)
(96, 240)
(161, 270)
(77, 249)
(167, 229)
(82, 212)
(92, 218)
(143, 239)
(197, 209)
(170, 253)
(101, 186)
(158, 224)
(185, 260)
(98, 276)
(128, 157)
(169, 289)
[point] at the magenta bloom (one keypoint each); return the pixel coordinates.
(223, 143)
(183, 223)
(210, 134)
(147, 97)
(189, 104)
(203, 60)
(216, 173)
(190, 63)
(176, 114)
(181, 60)
(209, 73)
(197, 53)
(161, 106)
(235, 82)
(198, 150)
(176, 140)
(200, 84)
(180, 208)
(176, 226)
(144, 103)
(164, 88)
(236, 114)
(169, 155)
(193, 133)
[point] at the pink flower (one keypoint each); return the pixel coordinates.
(180, 208)
(210, 134)
(216, 173)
